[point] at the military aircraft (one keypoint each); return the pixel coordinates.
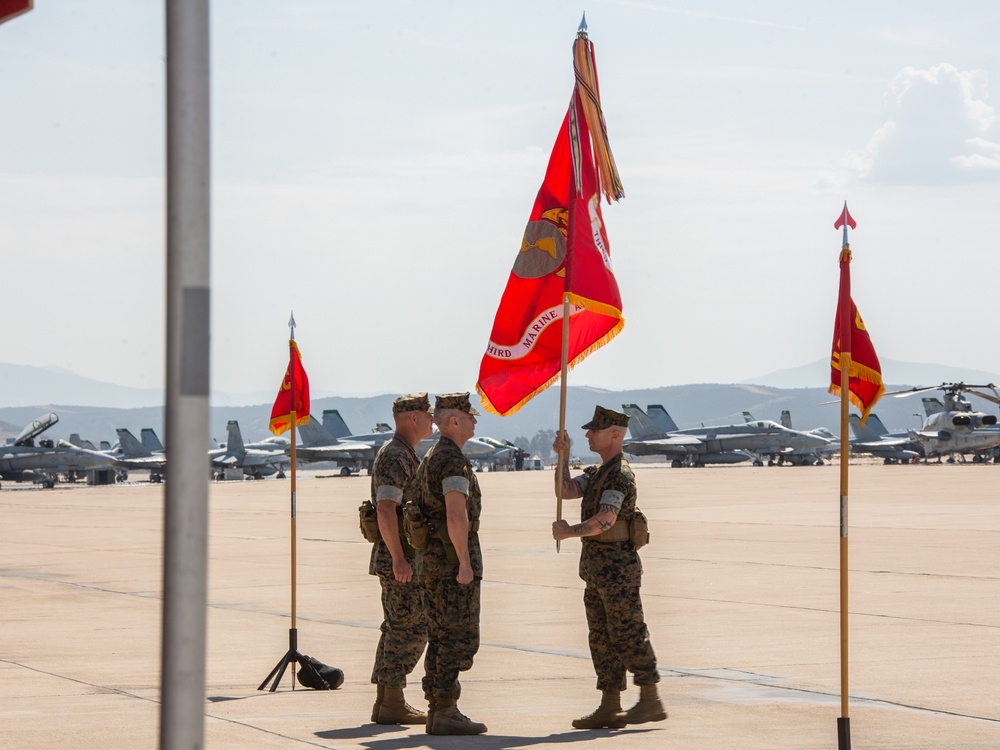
(760, 439)
(315, 444)
(805, 456)
(656, 433)
(23, 461)
(133, 454)
(876, 440)
(953, 428)
(475, 448)
(255, 462)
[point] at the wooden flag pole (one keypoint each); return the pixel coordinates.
(292, 656)
(560, 463)
(844, 722)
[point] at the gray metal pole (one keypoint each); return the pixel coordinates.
(185, 527)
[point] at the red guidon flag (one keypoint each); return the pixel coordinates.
(854, 344)
(564, 254)
(11, 8)
(295, 375)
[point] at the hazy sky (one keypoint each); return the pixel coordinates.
(374, 164)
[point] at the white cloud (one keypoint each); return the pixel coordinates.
(936, 130)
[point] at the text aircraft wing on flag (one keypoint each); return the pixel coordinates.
(564, 255)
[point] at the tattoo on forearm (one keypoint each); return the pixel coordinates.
(580, 529)
(605, 525)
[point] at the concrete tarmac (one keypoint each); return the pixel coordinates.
(741, 594)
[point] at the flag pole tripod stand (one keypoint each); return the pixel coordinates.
(292, 656)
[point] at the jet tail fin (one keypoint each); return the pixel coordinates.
(313, 433)
(640, 426)
(871, 432)
(334, 424)
(662, 419)
(150, 441)
(234, 438)
(748, 417)
(130, 447)
(786, 419)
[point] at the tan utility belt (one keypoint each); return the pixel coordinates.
(619, 532)
(635, 530)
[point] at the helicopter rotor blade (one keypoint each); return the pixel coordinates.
(989, 397)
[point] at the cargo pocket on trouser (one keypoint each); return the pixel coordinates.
(465, 641)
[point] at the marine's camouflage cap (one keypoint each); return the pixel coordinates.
(411, 402)
(604, 418)
(458, 401)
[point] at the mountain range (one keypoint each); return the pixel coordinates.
(94, 409)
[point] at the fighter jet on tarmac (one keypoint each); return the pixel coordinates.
(760, 439)
(254, 462)
(875, 439)
(23, 461)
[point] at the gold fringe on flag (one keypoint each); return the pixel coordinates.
(488, 405)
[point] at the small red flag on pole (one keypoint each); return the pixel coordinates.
(293, 396)
(850, 338)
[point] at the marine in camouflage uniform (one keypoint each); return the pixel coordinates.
(451, 566)
(404, 622)
(612, 572)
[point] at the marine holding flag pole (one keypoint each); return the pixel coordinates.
(563, 270)
(863, 387)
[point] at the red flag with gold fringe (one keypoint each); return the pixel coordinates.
(865, 385)
(564, 253)
(281, 412)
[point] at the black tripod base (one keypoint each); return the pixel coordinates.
(844, 733)
(292, 656)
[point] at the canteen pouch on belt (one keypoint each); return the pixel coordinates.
(415, 526)
(639, 529)
(368, 518)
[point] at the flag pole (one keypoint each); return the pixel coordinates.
(844, 722)
(292, 656)
(293, 633)
(564, 365)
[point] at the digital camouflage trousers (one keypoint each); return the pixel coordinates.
(619, 639)
(452, 633)
(404, 632)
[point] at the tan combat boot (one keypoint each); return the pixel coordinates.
(449, 720)
(608, 715)
(649, 707)
(378, 702)
(431, 708)
(395, 709)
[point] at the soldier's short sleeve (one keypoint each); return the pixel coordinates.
(389, 492)
(391, 477)
(614, 498)
(616, 488)
(454, 473)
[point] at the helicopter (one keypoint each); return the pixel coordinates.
(954, 428)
